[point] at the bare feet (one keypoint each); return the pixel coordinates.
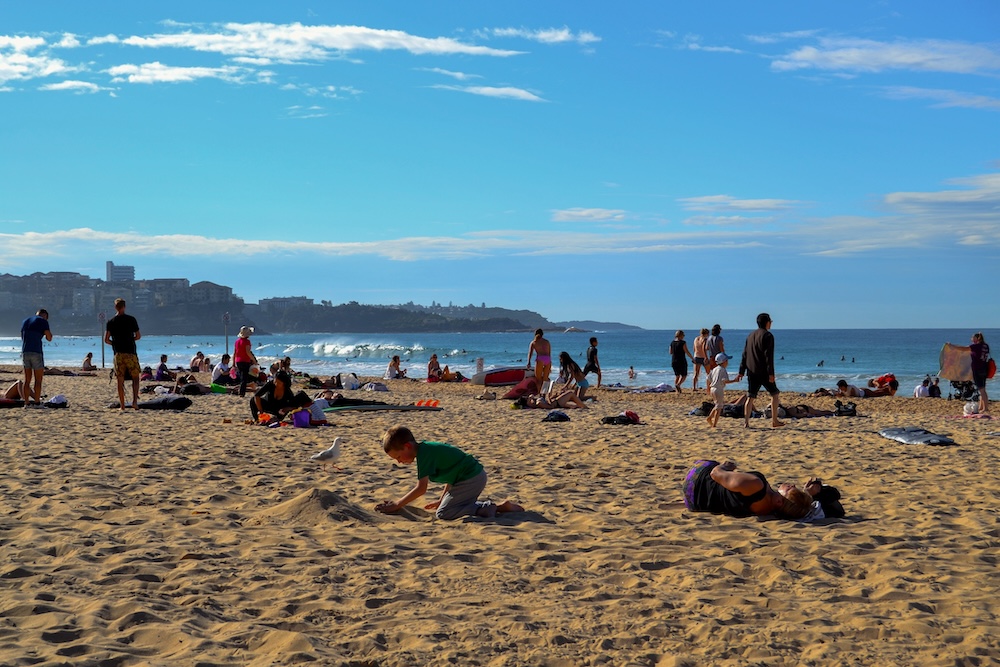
(509, 506)
(777, 424)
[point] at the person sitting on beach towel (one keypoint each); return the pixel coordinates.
(162, 372)
(88, 363)
(719, 488)
(393, 371)
(275, 398)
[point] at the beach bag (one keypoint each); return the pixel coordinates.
(626, 418)
(991, 369)
(556, 416)
(734, 411)
(848, 410)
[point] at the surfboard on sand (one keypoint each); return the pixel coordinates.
(503, 375)
(956, 364)
(373, 408)
(915, 435)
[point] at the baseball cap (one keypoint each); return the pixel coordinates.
(722, 356)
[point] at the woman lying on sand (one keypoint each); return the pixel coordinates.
(564, 399)
(719, 488)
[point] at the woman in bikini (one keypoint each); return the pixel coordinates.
(542, 350)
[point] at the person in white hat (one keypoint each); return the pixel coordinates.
(718, 378)
(243, 357)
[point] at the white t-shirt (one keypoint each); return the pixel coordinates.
(921, 391)
(219, 370)
(718, 377)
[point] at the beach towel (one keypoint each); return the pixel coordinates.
(956, 364)
(915, 435)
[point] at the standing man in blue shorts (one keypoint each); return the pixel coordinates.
(758, 365)
(33, 329)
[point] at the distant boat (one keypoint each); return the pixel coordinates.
(502, 375)
(575, 330)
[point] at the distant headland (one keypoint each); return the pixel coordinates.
(78, 305)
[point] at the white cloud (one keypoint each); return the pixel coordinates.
(16, 65)
(295, 42)
(329, 92)
(943, 98)
(865, 55)
(969, 216)
(782, 36)
(546, 35)
(159, 73)
(20, 44)
(724, 203)
(106, 39)
(73, 242)
(980, 199)
(724, 220)
(966, 215)
(75, 86)
(505, 92)
(459, 76)
(588, 215)
(68, 41)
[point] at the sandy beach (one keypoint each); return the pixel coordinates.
(174, 538)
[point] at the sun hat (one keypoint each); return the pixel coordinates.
(722, 356)
(245, 332)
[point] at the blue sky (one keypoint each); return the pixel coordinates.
(658, 163)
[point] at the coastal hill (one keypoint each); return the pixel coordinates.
(353, 317)
(173, 306)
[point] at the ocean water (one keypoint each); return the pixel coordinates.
(852, 354)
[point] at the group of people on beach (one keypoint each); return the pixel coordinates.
(709, 486)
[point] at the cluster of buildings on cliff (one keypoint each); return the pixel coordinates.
(74, 294)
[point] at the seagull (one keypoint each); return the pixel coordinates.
(329, 455)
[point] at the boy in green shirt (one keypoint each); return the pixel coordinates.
(462, 475)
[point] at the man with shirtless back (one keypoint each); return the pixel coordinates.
(542, 350)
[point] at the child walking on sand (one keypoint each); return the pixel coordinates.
(718, 378)
(463, 476)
